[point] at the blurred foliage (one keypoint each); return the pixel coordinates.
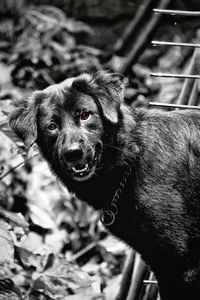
(48, 46)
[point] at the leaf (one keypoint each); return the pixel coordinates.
(14, 219)
(68, 276)
(10, 156)
(57, 279)
(6, 107)
(6, 243)
(56, 240)
(41, 185)
(9, 133)
(42, 289)
(32, 242)
(41, 217)
(8, 290)
(4, 74)
(112, 287)
(30, 259)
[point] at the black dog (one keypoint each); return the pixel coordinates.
(95, 143)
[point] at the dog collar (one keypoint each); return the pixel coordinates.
(108, 216)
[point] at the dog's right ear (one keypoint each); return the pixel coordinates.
(23, 120)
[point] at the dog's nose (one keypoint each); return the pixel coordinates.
(73, 153)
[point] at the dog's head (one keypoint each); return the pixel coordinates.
(67, 121)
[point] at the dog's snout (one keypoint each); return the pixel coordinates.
(73, 153)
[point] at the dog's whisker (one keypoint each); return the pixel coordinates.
(95, 174)
(114, 147)
(99, 167)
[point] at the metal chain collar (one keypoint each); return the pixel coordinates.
(108, 216)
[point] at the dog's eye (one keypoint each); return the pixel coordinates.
(52, 126)
(84, 115)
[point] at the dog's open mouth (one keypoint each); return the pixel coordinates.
(81, 172)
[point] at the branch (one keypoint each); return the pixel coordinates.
(143, 40)
(17, 166)
(133, 27)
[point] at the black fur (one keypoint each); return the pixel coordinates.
(159, 210)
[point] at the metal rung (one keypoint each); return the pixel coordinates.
(159, 104)
(175, 75)
(150, 281)
(164, 43)
(177, 12)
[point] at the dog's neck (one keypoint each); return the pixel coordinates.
(128, 150)
(108, 214)
(99, 190)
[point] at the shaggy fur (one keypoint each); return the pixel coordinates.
(159, 209)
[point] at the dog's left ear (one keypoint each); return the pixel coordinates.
(23, 120)
(110, 93)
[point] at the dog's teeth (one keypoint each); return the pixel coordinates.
(81, 171)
